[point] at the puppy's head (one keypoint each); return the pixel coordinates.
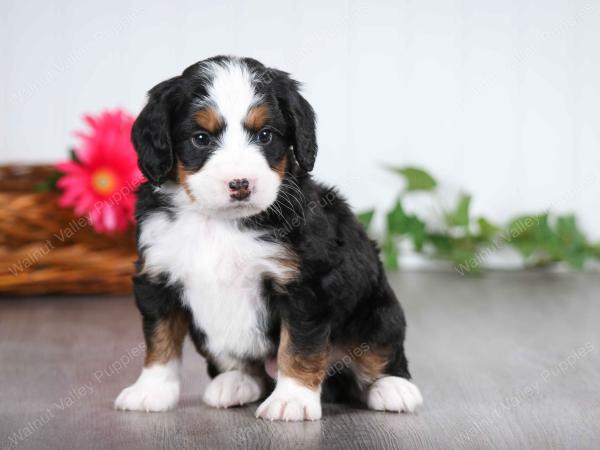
(228, 130)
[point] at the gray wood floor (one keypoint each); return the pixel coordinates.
(503, 361)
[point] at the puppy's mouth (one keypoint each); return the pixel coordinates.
(240, 199)
(244, 204)
(238, 209)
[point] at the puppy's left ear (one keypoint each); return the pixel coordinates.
(301, 119)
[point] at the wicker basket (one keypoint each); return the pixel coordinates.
(45, 249)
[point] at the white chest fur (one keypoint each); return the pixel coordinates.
(221, 268)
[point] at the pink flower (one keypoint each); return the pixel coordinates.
(101, 181)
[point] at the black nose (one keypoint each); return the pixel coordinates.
(238, 184)
(239, 188)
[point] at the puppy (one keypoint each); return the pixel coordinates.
(267, 270)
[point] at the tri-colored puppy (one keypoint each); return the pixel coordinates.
(267, 270)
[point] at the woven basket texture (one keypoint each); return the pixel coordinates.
(46, 249)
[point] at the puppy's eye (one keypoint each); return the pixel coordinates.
(201, 139)
(264, 136)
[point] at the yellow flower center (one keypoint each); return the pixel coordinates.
(104, 181)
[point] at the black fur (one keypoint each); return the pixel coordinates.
(342, 296)
(151, 134)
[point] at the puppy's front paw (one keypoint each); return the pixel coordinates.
(291, 401)
(157, 389)
(148, 397)
(393, 394)
(232, 389)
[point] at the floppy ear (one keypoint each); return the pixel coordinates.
(151, 133)
(302, 121)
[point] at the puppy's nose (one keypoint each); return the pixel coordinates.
(239, 189)
(237, 184)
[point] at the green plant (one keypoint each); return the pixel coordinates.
(465, 241)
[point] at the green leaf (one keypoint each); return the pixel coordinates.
(535, 239)
(73, 156)
(465, 260)
(397, 220)
(543, 232)
(567, 231)
(594, 250)
(390, 253)
(399, 224)
(572, 244)
(525, 246)
(442, 244)
(487, 229)
(416, 179)
(461, 251)
(416, 229)
(49, 184)
(539, 238)
(575, 257)
(460, 216)
(526, 227)
(365, 218)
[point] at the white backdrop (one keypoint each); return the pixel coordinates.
(499, 97)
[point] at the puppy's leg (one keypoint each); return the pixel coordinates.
(297, 395)
(382, 374)
(233, 382)
(157, 388)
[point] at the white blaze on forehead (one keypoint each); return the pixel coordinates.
(232, 92)
(236, 155)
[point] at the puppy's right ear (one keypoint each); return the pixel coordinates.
(151, 133)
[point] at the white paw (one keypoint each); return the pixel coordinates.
(393, 394)
(157, 389)
(233, 388)
(291, 401)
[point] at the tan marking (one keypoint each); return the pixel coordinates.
(291, 265)
(208, 119)
(368, 363)
(307, 369)
(257, 117)
(281, 166)
(166, 340)
(149, 271)
(182, 175)
(291, 271)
